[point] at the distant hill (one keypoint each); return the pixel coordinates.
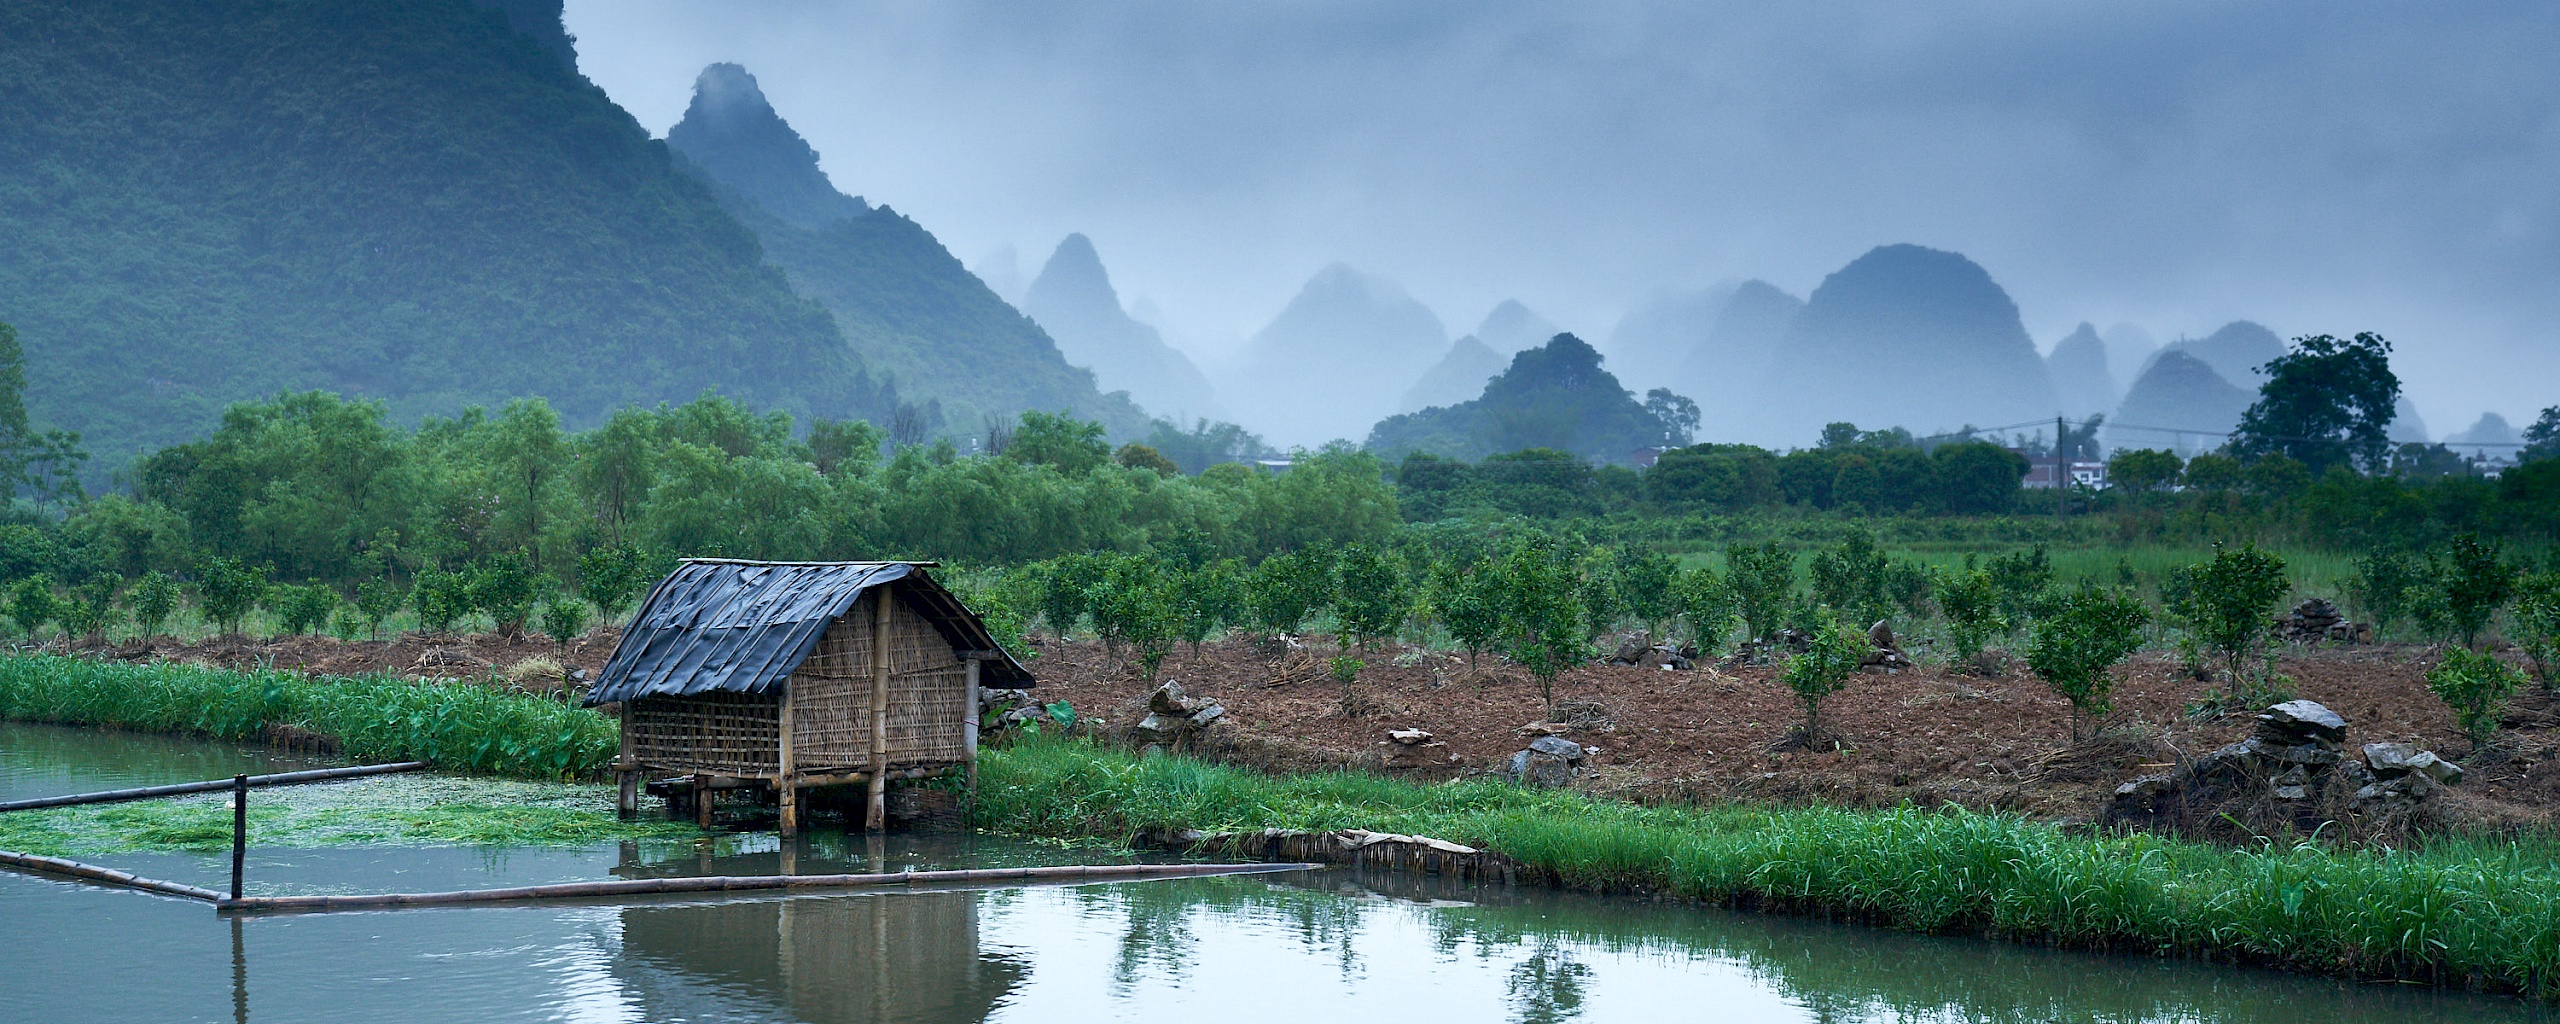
(1910, 337)
(2236, 351)
(1334, 360)
(1510, 328)
(2178, 392)
(1727, 373)
(1074, 301)
(1653, 343)
(1553, 396)
(2129, 350)
(2081, 380)
(903, 301)
(1459, 376)
(2407, 427)
(414, 202)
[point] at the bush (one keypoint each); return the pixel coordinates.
(2476, 686)
(508, 592)
(2074, 647)
(2537, 622)
(226, 589)
(2380, 587)
(1208, 599)
(611, 578)
(2023, 581)
(1706, 604)
(1761, 579)
(32, 603)
(301, 609)
(1834, 654)
(1971, 603)
(377, 599)
(2468, 585)
(1542, 613)
(563, 619)
(1851, 578)
(1286, 588)
(1645, 585)
(1369, 595)
(1134, 604)
(442, 597)
(153, 601)
(2228, 603)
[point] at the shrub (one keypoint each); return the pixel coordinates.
(1286, 588)
(1063, 584)
(153, 600)
(1369, 595)
(1135, 605)
(2537, 622)
(1971, 603)
(2023, 581)
(509, 592)
(226, 588)
(443, 598)
(1645, 585)
(1597, 585)
(91, 611)
(1542, 614)
(611, 578)
(2228, 603)
(32, 603)
(301, 609)
(1208, 599)
(1833, 655)
(377, 599)
(2380, 587)
(563, 619)
(1761, 578)
(2470, 585)
(1851, 578)
(2476, 686)
(2073, 648)
(1706, 604)
(1467, 598)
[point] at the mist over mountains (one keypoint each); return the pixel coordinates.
(1074, 301)
(1335, 361)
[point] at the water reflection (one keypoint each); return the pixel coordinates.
(853, 960)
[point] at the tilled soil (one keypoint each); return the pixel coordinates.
(1925, 736)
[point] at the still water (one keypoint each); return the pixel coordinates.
(1320, 943)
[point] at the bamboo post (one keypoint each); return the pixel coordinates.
(627, 768)
(702, 801)
(787, 789)
(969, 731)
(239, 830)
(875, 812)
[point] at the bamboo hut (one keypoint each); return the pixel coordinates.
(793, 675)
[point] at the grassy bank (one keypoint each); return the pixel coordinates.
(459, 727)
(2465, 914)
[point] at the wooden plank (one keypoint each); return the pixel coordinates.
(875, 808)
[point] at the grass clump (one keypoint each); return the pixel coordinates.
(458, 727)
(2474, 914)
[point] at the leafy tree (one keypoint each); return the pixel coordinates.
(2476, 686)
(2537, 623)
(509, 592)
(92, 608)
(1135, 604)
(443, 597)
(2074, 647)
(1834, 653)
(153, 600)
(2143, 470)
(1761, 579)
(2381, 586)
(2024, 581)
(1679, 416)
(2228, 602)
(301, 608)
(1207, 599)
(1707, 605)
(563, 618)
(2470, 584)
(843, 446)
(2542, 439)
(2213, 472)
(1597, 582)
(1977, 477)
(1851, 578)
(1063, 585)
(1138, 456)
(1369, 595)
(2327, 402)
(1970, 597)
(32, 603)
(611, 578)
(1286, 588)
(1645, 580)
(226, 589)
(1060, 441)
(1909, 584)
(1468, 599)
(1542, 614)
(377, 599)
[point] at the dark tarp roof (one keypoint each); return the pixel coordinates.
(716, 624)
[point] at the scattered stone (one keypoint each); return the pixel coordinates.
(2297, 721)
(1409, 737)
(1887, 656)
(1210, 711)
(1545, 729)
(1542, 770)
(1560, 747)
(2292, 758)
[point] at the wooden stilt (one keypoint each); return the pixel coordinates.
(626, 769)
(969, 731)
(875, 811)
(239, 830)
(701, 801)
(786, 782)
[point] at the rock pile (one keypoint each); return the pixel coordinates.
(1887, 657)
(1413, 748)
(1173, 717)
(2316, 620)
(1550, 762)
(1012, 708)
(1639, 649)
(2294, 763)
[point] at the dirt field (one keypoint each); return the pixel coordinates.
(1924, 736)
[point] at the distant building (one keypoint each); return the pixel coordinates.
(1644, 458)
(2043, 470)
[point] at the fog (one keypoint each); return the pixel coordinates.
(2315, 167)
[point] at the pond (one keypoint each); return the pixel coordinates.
(1312, 944)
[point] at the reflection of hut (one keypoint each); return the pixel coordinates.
(790, 675)
(841, 960)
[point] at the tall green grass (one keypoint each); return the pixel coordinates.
(459, 727)
(2476, 914)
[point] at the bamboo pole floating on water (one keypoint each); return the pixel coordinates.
(747, 883)
(184, 788)
(106, 876)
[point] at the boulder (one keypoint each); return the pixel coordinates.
(1558, 746)
(1545, 771)
(1632, 648)
(1210, 711)
(1168, 699)
(2297, 721)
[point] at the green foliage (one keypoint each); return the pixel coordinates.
(1370, 597)
(91, 611)
(1138, 456)
(2143, 470)
(1645, 581)
(1345, 669)
(2447, 909)
(1833, 654)
(1059, 441)
(1761, 580)
(459, 727)
(1286, 588)
(612, 578)
(2073, 648)
(2381, 585)
(301, 609)
(2227, 603)
(227, 588)
(1061, 585)
(2476, 686)
(2327, 402)
(2537, 623)
(563, 618)
(153, 600)
(1909, 584)
(1555, 396)
(1970, 598)
(2024, 582)
(1542, 614)
(442, 598)
(509, 592)
(1134, 604)
(1468, 599)
(1207, 599)
(1851, 578)
(376, 600)
(1706, 604)
(2468, 584)
(1597, 585)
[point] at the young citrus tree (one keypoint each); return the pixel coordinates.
(2073, 648)
(2470, 584)
(226, 588)
(1209, 599)
(1761, 580)
(1971, 603)
(2537, 623)
(1542, 613)
(1468, 600)
(2476, 686)
(1834, 652)
(1369, 595)
(153, 600)
(1707, 605)
(2228, 602)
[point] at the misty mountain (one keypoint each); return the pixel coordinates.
(1553, 396)
(905, 304)
(2236, 351)
(1074, 301)
(2129, 351)
(2178, 392)
(1909, 337)
(2081, 380)
(1654, 341)
(1334, 361)
(2407, 427)
(1728, 371)
(415, 203)
(2490, 430)
(1510, 328)
(1457, 377)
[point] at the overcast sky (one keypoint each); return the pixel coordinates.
(2319, 167)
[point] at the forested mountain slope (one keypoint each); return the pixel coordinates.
(908, 307)
(407, 201)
